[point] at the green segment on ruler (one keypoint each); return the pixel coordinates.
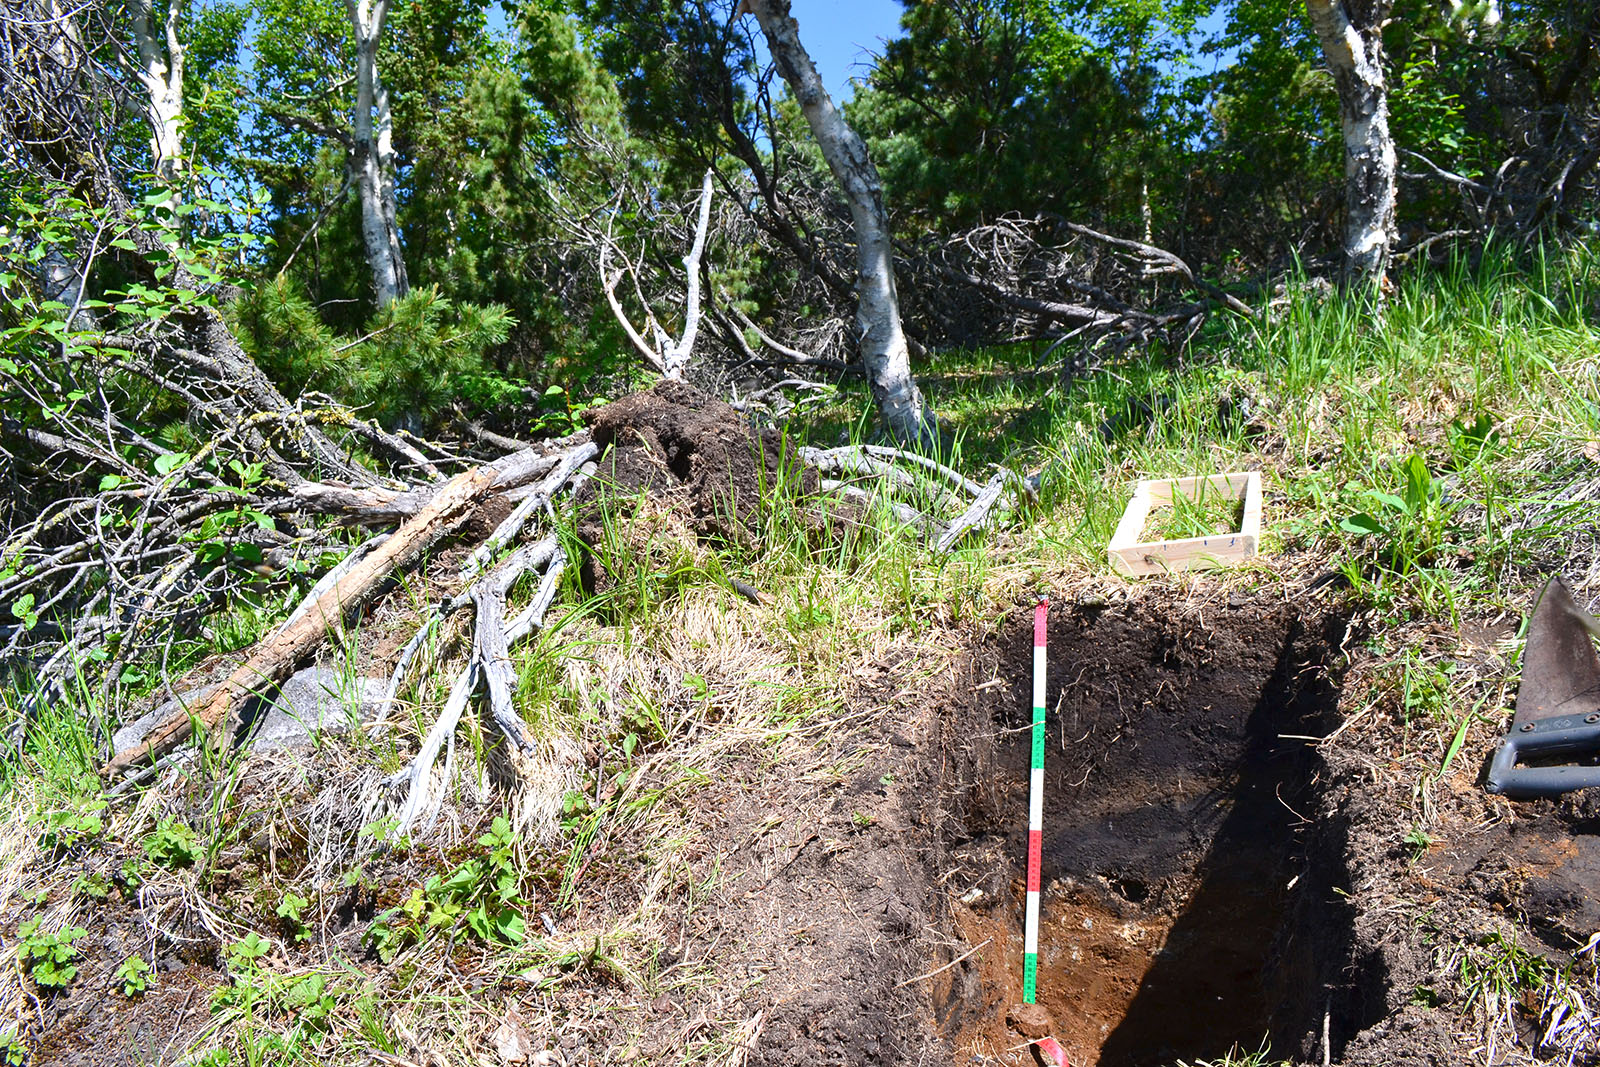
(1030, 961)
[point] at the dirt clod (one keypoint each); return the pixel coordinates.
(1029, 1020)
(677, 442)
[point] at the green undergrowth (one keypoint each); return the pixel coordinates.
(1418, 456)
(1412, 448)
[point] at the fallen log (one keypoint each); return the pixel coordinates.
(276, 658)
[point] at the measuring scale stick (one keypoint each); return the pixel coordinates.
(1030, 936)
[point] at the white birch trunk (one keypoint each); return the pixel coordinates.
(161, 72)
(372, 152)
(1351, 34)
(879, 336)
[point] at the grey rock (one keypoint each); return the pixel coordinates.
(315, 700)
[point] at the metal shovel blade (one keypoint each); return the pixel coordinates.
(1558, 706)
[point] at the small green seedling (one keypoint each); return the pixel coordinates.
(134, 974)
(290, 909)
(48, 956)
(93, 885)
(242, 955)
(386, 831)
(1418, 840)
(172, 844)
(132, 874)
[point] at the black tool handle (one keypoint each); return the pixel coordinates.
(1549, 737)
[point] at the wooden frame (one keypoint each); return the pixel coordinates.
(1136, 558)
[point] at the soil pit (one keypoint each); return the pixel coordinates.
(1190, 898)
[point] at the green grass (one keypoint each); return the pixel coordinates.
(1476, 384)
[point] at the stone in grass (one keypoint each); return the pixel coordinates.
(309, 702)
(315, 700)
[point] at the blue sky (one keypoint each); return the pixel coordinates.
(842, 36)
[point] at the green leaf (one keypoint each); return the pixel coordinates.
(1419, 482)
(1361, 523)
(511, 926)
(1391, 501)
(110, 481)
(166, 464)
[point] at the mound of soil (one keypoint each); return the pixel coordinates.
(680, 444)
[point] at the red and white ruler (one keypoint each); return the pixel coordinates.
(1030, 932)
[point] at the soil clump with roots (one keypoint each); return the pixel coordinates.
(697, 453)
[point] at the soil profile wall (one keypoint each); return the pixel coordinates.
(1190, 899)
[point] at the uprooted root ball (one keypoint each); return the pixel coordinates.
(675, 442)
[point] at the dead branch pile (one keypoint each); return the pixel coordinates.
(155, 476)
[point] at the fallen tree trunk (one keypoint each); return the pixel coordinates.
(278, 657)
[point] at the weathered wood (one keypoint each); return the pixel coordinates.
(492, 651)
(375, 506)
(489, 661)
(1135, 558)
(275, 659)
(994, 494)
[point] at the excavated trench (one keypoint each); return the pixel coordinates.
(1192, 864)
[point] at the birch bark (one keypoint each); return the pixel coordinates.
(372, 155)
(1351, 35)
(161, 72)
(880, 338)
